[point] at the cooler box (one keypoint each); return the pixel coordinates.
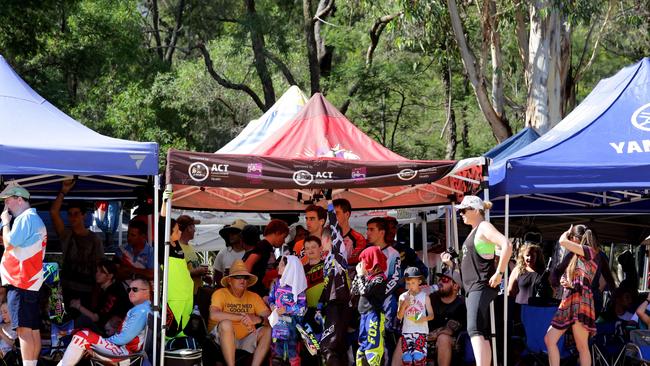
(184, 357)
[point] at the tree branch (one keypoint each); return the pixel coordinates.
(500, 129)
(175, 31)
(399, 114)
(581, 70)
(225, 83)
(156, 27)
(282, 66)
(375, 33)
(324, 11)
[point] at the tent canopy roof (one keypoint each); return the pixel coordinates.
(603, 144)
(318, 149)
(38, 141)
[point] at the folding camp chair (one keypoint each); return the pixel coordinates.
(100, 358)
(608, 346)
(536, 320)
(637, 353)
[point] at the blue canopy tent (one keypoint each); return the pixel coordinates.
(602, 145)
(595, 161)
(597, 158)
(40, 146)
(511, 145)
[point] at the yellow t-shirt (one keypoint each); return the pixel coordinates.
(249, 303)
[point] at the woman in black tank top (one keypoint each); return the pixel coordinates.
(479, 273)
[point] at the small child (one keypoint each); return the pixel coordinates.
(370, 284)
(7, 334)
(288, 300)
(415, 310)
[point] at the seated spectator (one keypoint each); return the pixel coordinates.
(622, 306)
(450, 316)
(232, 235)
(129, 339)
(641, 337)
(109, 299)
(237, 316)
(7, 333)
(82, 248)
(136, 257)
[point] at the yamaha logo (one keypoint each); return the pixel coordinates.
(641, 118)
(407, 174)
(198, 171)
(303, 177)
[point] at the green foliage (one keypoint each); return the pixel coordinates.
(97, 60)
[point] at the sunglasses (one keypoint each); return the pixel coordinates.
(239, 277)
(444, 279)
(463, 210)
(135, 289)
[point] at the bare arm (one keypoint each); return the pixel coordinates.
(251, 260)
(217, 315)
(570, 245)
(640, 312)
(430, 314)
(55, 210)
(513, 287)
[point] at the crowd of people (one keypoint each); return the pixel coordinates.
(323, 294)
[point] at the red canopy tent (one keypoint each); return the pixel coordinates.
(318, 149)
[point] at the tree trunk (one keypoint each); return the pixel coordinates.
(312, 46)
(498, 98)
(500, 128)
(452, 141)
(547, 65)
(257, 42)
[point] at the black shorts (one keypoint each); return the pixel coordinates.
(24, 308)
(478, 312)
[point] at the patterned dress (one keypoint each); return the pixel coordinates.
(578, 301)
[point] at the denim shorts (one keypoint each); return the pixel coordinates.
(24, 308)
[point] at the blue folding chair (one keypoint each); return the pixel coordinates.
(536, 320)
(608, 346)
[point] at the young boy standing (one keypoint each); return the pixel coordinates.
(415, 310)
(370, 284)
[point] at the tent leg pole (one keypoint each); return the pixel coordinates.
(454, 224)
(506, 232)
(492, 321)
(425, 249)
(412, 235)
(156, 274)
(163, 315)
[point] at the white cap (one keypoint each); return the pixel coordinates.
(471, 202)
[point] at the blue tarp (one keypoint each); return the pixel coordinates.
(602, 145)
(37, 139)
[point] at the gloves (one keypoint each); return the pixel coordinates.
(168, 194)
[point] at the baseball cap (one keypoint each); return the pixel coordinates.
(454, 275)
(412, 272)
(471, 202)
(14, 190)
